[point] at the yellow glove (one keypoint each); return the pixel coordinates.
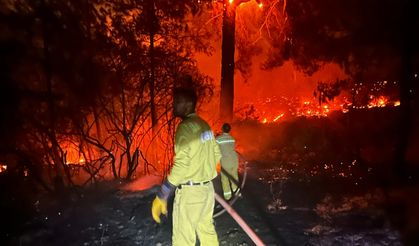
(158, 207)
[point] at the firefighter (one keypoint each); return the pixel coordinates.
(194, 168)
(229, 162)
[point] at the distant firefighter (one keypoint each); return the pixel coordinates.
(229, 161)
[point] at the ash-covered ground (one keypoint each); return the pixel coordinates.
(281, 212)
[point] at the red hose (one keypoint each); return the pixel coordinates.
(239, 220)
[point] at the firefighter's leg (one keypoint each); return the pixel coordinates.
(229, 186)
(234, 178)
(233, 171)
(235, 175)
(183, 231)
(206, 230)
(189, 210)
(225, 182)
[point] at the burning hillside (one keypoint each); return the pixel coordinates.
(278, 108)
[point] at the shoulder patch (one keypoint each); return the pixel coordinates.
(206, 136)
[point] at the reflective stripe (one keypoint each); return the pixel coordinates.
(225, 141)
(227, 195)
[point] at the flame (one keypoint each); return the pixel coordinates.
(3, 168)
(274, 119)
(271, 109)
(379, 102)
(73, 153)
(278, 117)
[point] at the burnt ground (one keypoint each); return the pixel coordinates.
(315, 182)
(291, 212)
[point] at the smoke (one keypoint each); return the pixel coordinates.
(286, 80)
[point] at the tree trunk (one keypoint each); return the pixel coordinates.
(130, 159)
(50, 128)
(113, 167)
(152, 83)
(152, 31)
(227, 63)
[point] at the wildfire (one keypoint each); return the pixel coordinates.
(380, 102)
(3, 168)
(314, 109)
(275, 109)
(73, 153)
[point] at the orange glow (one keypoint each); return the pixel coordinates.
(143, 183)
(231, 1)
(396, 103)
(260, 5)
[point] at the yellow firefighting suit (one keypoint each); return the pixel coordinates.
(196, 156)
(229, 162)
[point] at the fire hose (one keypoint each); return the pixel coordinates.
(239, 220)
(227, 206)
